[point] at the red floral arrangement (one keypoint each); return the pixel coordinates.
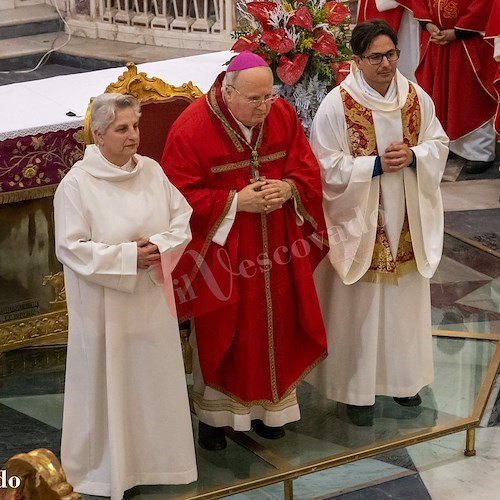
(297, 38)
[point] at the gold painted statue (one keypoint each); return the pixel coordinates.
(36, 475)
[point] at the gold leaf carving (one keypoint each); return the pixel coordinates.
(41, 476)
(145, 89)
(36, 330)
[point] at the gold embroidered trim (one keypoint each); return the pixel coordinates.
(360, 126)
(27, 194)
(300, 206)
(389, 277)
(263, 402)
(215, 108)
(246, 163)
(238, 407)
(269, 310)
(383, 262)
(474, 69)
(411, 118)
(318, 237)
(208, 240)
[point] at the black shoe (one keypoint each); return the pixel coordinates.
(267, 432)
(411, 401)
(477, 167)
(361, 416)
(211, 438)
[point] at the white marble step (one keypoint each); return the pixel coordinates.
(28, 45)
(89, 48)
(27, 14)
(11, 4)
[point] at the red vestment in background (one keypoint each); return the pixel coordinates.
(259, 327)
(368, 10)
(459, 75)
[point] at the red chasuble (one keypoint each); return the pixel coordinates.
(459, 75)
(493, 31)
(368, 11)
(258, 323)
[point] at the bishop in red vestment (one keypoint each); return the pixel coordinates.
(457, 70)
(240, 157)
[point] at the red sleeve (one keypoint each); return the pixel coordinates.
(493, 26)
(421, 11)
(186, 171)
(475, 15)
(368, 10)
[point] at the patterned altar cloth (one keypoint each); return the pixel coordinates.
(33, 165)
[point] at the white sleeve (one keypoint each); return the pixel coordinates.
(350, 193)
(423, 192)
(383, 5)
(178, 234)
(112, 266)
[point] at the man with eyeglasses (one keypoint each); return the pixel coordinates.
(240, 157)
(382, 153)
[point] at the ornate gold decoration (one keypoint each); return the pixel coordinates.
(40, 475)
(56, 281)
(384, 268)
(33, 361)
(32, 166)
(44, 328)
(145, 89)
(246, 163)
(360, 126)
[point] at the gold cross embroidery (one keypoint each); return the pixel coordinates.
(254, 163)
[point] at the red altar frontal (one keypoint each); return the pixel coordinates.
(31, 166)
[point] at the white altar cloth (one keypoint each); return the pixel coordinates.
(40, 106)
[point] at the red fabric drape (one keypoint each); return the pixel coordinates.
(368, 10)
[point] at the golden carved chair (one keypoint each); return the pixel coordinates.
(161, 104)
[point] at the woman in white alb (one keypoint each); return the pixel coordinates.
(120, 228)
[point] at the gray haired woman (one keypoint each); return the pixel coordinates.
(120, 228)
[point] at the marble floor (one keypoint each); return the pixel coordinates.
(408, 463)
(466, 298)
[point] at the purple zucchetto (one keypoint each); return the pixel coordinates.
(245, 60)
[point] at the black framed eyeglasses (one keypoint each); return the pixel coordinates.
(255, 101)
(376, 59)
